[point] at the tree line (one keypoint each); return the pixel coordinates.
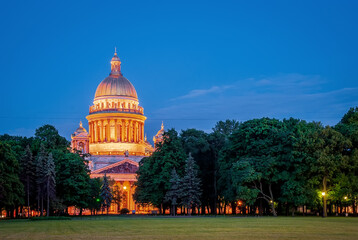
(261, 166)
(42, 174)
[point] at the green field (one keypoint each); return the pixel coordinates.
(131, 227)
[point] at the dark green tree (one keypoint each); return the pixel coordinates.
(173, 194)
(72, 180)
(28, 176)
(118, 196)
(226, 128)
(11, 188)
(94, 201)
(257, 148)
(295, 169)
(197, 143)
(348, 181)
(40, 177)
(222, 174)
(50, 181)
(328, 159)
(106, 194)
(155, 171)
(190, 190)
(145, 190)
(48, 135)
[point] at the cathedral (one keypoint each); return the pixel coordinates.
(115, 140)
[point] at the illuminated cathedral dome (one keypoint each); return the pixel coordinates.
(115, 85)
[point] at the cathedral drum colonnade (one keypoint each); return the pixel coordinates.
(116, 139)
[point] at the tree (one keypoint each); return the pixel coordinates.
(106, 194)
(11, 188)
(48, 135)
(348, 127)
(328, 159)
(94, 200)
(173, 194)
(40, 177)
(72, 180)
(197, 143)
(50, 181)
(294, 168)
(118, 195)
(226, 128)
(222, 174)
(190, 190)
(28, 175)
(153, 176)
(257, 150)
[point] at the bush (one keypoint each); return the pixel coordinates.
(124, 211)
(49, 218)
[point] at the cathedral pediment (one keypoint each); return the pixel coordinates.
(124, 166)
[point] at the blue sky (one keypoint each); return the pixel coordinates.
(192, 63)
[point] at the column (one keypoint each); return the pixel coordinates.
(143, 131)
(126, 131)
(92, 132)
(120, 132)
(131, 131)
(108, 131)
(115, 131)
(101, 130)
(95, 128)
(130, 196)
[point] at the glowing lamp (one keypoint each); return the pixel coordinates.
(124, 187)
(323, 194)
(345, 198)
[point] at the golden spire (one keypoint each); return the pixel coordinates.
(162, 128)
(80, 123)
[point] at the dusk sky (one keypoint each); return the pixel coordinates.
(192, 63)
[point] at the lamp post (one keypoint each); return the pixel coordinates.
(324, 214)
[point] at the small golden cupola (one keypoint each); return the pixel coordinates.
(80, 140)
(159, 136)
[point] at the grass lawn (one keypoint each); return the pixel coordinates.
(136, 227)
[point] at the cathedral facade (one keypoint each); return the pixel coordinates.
(115, 140)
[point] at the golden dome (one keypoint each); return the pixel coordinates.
(115, 85)
(81, 128)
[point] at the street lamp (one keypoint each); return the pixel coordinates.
(345, 197)
(324, 214)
